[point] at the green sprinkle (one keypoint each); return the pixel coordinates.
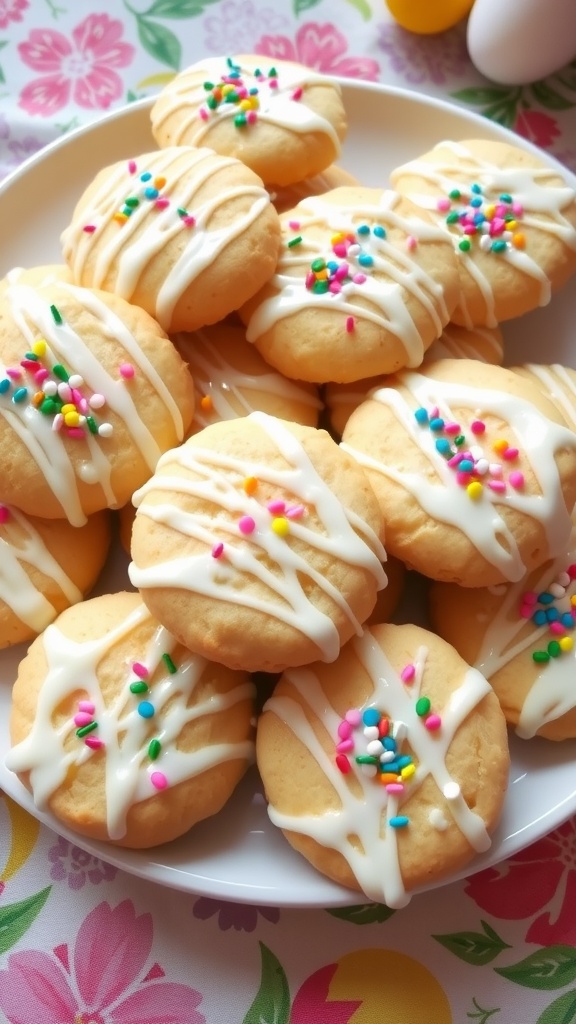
(132, 201)
(138, 686)
(154, 748)
(92, 425)
(540, 656)
(294, 241)
(554, 649)
(169, 663)
(272, 73)
(59, 371)
(452, 217)
(506, 197)
(212, 102)
(366, 759)
(182, 212)
(208, 86)
(499, 246)
(31, 355)
(464, 245)
(231, 97)
(56, 314)
(240, 120)
(86, 729)
(459, 440)
(422, 706)
(317, 265)
(455, 193)
(49, 407)
(319, 287)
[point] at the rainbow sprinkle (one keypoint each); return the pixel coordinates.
(555, 609)
(494, 225)
(232, 93)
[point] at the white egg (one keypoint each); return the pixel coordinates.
(519, 41)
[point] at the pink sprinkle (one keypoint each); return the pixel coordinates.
(159, 780)
(501, 210)
(495, 469)
(82, 718)
(452, 428)
(433, 722)
(470, 229)
(96, 401)
(75, 396)
(217, 550)
(359, 278)
(296, 512)
(203, 114)
(497, 226)
(526, 611)
(246, 525)
(294, 225)
(516, 479)
(394, 787)
(273, 83)
(345, 746)
(343, 763)
(126, 370)
(340, 249)
(83, 406)
(140, 670)
(443, 205)
(463, 478)
(407, 674)
(344, 729)
(161, 203)
(86, 705)
(13, 373)
(65, 392)
(41, 375)
(477, 427)
(132, 166)
(242, 92)
(297, 94)
(310, 278)
(411, 243)
(335, 287)
(557, 628)
(28, 364)
(530, 597)
(93, 742)
(510, 453)
(342, 271)
(497, 485)
(89, 228)
(276, 506)
(456, 459)
(354, 717)
(251, 117)
(434, 412)
(58, 422)
(75, 432)
(4, 514)
(350, 324)
(189, 220)
(517, 209)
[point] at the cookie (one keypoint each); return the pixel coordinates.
(121, 733)
(476, 481)
(557, 383)
(364, 284)
(511, 219)
(284, 198)
(388, 769)
(92, 391)
(231, 379)
(521, 637)
(455, 342)
(45, 566)
(257, 543)
(284, 120)
(184, 233)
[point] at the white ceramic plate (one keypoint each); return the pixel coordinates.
(238, 855)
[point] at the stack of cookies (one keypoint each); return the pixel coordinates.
(290, 385)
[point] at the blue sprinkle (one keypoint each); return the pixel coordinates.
(389, 743)
(477, 189)
(363, 229)
(466, 466)
(4, 386)
(365, 260)
(146, 709)
(479, 218)
(146, 176)
(391, 766)
(476, 201)
(404, 760)
(421, 416)
(567, 620)
(443, 446)
(539, 617)
(20, 394)
(379, 231)
(253, 91)
(371, 716)
(437, 423)
(552, 614)
(400, 821)
(151, 193)
(545, 597)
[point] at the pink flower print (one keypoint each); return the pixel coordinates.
(77, 867)
(237, 24)
(11, 10)
(79, 71)
(540, 878)
(233, 915)
(537, 127)
(103, 982)
(425, 58)
(322, 47)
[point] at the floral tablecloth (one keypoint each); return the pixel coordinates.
(81, 942)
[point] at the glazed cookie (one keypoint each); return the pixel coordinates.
(231, 379)
(45, 566)
(289, 196)
(388, 769)
(520, 636)
(511, 219)
(363, 286)
(557, 383)
(455, 342)
(284, 121)
(476, 482)
(123, 734)
(184, 233)
(257, 543)
(91, 393)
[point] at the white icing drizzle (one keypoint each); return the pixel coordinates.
(219, 479)
(376, 865)
(523, 183)
(186, 94)
(558, 386)
(131, 251)
(394, 272)
(21, 543)
(216, 377)
(453, 344)
(537, 437)
(34, 319)
(508, 635)
(73, 666)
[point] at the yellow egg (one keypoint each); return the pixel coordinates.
(389, 986)
(428, 16)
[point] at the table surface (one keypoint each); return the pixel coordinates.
(84, 943)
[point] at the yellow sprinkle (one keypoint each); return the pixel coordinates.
(474, 490)
(573, 599)
(337, 238)
(71, 419)
(68, 408)
(250, 484)
(500, 445)
(254, 102)
(489, 212)
(511, 225)
(407, 771)
(39, 347)
(206, 403)
(519, 240)
(321, 275)
(280, 525)
(120, 217)
(245, 105)
(566, 643)
(160, 181)
(226, 89)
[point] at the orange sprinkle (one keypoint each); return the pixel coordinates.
(206, 403)
(159, 182)
(387, 777)
(120, 217)
(519, 240)
(500, 445)
(38, 398)
(250, 484)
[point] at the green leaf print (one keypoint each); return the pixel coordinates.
(484, 94)
(178, 8)
(303, 5)
(363, 7)
(502, 113)
(160, 42)
(16, 918)
(364, 913)
(561, 1011)
(272, 1002)
(475, 948)
(479, 1014)
(548, 968)
(547, 97)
